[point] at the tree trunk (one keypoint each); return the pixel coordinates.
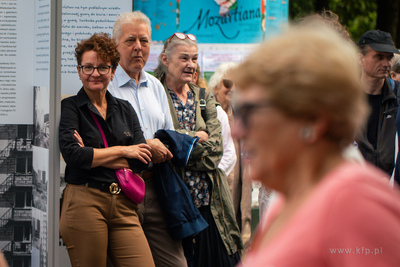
(320, 5)
(388, 17)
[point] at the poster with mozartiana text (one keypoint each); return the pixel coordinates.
(216, 21)
(212, 21)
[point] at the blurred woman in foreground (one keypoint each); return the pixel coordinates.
(299, 105)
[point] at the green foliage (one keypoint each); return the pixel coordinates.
(300, 8)
(358, 16)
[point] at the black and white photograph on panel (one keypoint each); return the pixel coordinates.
(39, 209)
(40, 177)
(39, 238)
(16, 193)
(41, 116)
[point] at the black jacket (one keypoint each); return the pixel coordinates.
(383, 155)
(396, 89)
(121, 128)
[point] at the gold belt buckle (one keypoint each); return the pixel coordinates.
(115, 189)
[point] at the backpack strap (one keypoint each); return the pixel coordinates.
(396, 88)
(391, 83)
(202, 102)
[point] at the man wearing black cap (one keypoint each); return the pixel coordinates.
(377, 142)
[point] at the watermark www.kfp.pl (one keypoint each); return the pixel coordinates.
(357, 250)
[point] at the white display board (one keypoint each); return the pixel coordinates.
(80, 19)
(16, 61)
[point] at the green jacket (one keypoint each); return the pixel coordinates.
(206, 157)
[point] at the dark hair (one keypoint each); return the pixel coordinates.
(363, 49)
(103, 45)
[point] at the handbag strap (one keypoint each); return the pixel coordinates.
(100, 129)
(202, 99)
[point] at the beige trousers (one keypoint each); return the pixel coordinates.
(95, 223)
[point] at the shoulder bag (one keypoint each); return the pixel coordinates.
(132, 184)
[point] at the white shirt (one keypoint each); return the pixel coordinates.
(148, 99)
(229, 154)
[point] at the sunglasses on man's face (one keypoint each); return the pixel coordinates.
(227, 83)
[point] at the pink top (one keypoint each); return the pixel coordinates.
(351, 219)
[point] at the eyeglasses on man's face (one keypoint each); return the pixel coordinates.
(89, 70)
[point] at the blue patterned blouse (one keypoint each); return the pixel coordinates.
(195, 180)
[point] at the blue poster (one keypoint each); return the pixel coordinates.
(277, 12)
(163, 17)
(217, 21)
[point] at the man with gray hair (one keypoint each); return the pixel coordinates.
(377, 141)
(132, 33)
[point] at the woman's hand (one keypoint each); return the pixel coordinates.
(78, 138)
(202, 135)
(140, 152)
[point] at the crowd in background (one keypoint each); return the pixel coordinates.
(291, 116)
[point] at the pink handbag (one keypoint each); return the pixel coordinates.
(132, 184)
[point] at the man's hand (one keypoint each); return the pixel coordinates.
(140, 152)
(202, 135)
(158, 151)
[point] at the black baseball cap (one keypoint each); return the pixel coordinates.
(379, 41)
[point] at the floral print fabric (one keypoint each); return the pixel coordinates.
(195, 180)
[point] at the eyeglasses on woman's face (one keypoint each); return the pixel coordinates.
(183, 36)
(227, 83)
(245, 110)
(89, 70)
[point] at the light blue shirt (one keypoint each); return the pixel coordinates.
(148, 99)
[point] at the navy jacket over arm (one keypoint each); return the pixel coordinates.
(182, 216)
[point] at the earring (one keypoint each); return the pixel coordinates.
(306, 133)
